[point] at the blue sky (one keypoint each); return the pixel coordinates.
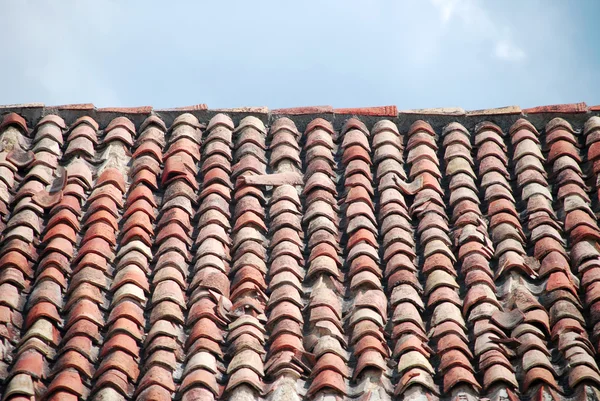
(415, 54)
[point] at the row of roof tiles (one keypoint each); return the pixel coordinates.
(168, 263)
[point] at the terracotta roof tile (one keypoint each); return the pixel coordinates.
(496, 111)
(255, 258)
(558, 108)
(78, 106)
(442, 111)
(125, 110)
(304, 110)
(381, 111)
(191, 108)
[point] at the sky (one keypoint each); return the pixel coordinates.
(345, 53)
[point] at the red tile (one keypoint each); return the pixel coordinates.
(126, 110)
(304, 110)
(201, 255)
(558, 108)
(191, 108)
(79, 106)
(496, 111)
(381, 111)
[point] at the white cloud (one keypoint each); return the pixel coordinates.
(477, 23)
(505, 50)
(446, 8)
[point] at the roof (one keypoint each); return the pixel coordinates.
(299, 254)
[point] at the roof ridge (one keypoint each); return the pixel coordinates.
(372, 111)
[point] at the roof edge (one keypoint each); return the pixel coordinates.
(70, 112)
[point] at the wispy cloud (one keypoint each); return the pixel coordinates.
(506, 50)
(476, 20)
(446, 8)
